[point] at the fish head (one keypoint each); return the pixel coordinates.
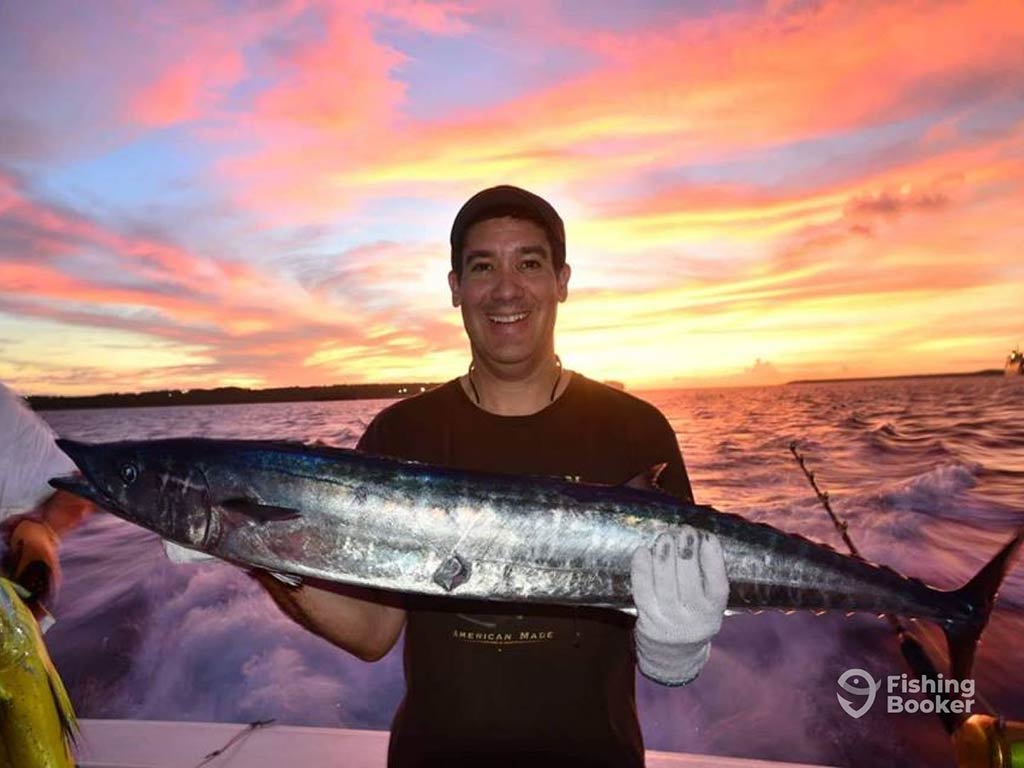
(149, 483)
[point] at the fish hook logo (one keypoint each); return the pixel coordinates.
(847, 681)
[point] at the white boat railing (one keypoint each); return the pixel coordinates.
(163, 744)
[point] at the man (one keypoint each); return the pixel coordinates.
(34, 517)
(517, 685)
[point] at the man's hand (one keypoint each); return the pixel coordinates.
(33, 559)
(680, 589)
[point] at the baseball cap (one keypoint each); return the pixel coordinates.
(511, 201)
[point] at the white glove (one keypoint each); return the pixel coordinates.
(680, 590)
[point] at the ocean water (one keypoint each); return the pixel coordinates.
(928, 473)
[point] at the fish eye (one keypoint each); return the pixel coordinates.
(129, 473)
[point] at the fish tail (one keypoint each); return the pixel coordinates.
(979, 594)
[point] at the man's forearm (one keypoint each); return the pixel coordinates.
(365, 627)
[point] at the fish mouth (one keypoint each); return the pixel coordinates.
(81, 485)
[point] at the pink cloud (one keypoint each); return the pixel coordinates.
(303, 106)
(254, 323)
(338, 82)
(438, 18)
(186, 91)
(332, 133)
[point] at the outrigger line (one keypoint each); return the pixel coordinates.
(979, 740)
(237, 738)
(913, 652)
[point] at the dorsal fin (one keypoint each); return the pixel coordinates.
(649, 479)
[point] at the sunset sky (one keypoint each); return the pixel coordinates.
(254, 193)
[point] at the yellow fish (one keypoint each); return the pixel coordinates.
(37, 722)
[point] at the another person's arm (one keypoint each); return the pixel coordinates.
(35, 517)
(34, 541)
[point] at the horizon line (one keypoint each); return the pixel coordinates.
(229, 394)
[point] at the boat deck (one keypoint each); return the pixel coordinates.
(161, 744)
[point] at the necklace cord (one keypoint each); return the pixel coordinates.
(554, 388)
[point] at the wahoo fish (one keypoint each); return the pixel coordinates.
(37, 723)
(310, 511)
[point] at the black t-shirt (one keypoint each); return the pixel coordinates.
(532, 685)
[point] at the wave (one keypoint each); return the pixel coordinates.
(934, 488)
(887, 440)
(887, 430)
(854, 421)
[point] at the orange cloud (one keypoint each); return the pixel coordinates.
(227, 319)
(743, 83)
(881, 249)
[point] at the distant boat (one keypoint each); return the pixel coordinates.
(614, 384)
(1014, 363)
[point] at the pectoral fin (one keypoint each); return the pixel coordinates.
(257, 511)
(287, 578)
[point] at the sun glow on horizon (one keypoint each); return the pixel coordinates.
(796, 197)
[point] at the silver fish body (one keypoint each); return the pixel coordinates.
(382, 523)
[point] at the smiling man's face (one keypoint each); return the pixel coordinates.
(509, 293)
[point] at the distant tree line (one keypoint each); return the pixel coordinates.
(228, 395)
(986, 372)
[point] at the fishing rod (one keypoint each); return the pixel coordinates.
(980, 740)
